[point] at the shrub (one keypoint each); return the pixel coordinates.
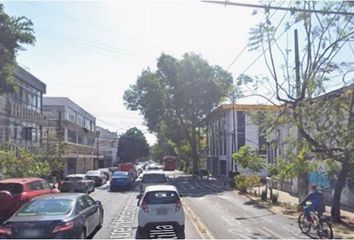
(244, 182)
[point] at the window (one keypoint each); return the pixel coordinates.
(154, 178)
(71, 115)
(241, 130)
(81, 204)
(90, 201)
(13, 188)
(46, 185)
(36, 185)
(71, 136)
(81, 139)
(87, 124)
(161, 197)
(80, 120)
(53, 207)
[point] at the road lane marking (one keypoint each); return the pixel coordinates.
(271, 232)
(230, 220)
(198, 225)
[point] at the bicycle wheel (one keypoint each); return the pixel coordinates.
(325, 231)
(304, 225)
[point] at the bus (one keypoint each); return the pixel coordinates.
(169, 163)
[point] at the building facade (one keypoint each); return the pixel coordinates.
(107, 146)
(21, 118)
(229, 128)
(77, 127)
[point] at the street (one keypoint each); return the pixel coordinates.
(212, 211)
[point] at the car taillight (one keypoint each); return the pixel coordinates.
(64, 227)
(178, 205)
(145, 207)
(5, 230)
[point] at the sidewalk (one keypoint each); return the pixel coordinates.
(287, 206)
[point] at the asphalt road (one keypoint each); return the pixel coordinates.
(228, 215)
(212, 211)
(120, 217)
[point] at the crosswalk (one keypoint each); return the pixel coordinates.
(197, 186)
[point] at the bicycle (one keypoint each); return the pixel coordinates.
(321, 224)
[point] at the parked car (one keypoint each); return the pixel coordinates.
(98, 177)
(153, 167)
(77, 183)
(160, 204)
(106, 172)
(121, 180)
(63, 215)
(14, 192)
(152, 178)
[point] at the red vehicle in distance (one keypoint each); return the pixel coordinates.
(128, 167)
(169, 163)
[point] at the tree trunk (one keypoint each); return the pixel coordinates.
(195, 154)
(340, 183)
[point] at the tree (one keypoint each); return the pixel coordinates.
(14, 32)
(21, 163)
(247, 158)
(323, 121)
(132, 145)
(178, 96)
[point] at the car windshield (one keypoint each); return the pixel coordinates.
(161, 197)
(46, 207)
(154, 178)
(73, 178)
(94, 173)
(13, 188)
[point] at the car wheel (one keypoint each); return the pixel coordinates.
(141, 233)
(180, 232)
(83, 234)
(100, 223)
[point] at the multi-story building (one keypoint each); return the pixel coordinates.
(108, 146)
(21, 118)
(77, 128)
(230, 127)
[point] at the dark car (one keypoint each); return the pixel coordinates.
(14, 192)
(121, 180)
(77, 183)
(62, 215)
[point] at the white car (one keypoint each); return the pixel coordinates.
(160, 205)
(152, 178)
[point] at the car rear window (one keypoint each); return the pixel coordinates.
(40, 207)
(161, 197)
(14, 188)
(73, 178)
(154, 178)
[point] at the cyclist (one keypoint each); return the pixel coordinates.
(316, 198)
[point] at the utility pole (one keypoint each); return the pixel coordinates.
(98, 148)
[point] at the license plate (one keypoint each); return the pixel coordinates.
(161, 211)
(31, 233)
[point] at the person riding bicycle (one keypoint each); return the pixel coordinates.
(317, 203)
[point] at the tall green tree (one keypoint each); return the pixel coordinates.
(132, 145)
(324, 122)
(14, 33)
(179, 95)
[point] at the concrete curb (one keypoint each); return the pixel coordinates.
(200, 227)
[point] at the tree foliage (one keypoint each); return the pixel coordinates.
(14, 33)
(177, 97)
(132, 145)
(22, 163)
(247, 158)
(323, 120)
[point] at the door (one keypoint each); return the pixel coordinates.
(88, 213)
(95, 209)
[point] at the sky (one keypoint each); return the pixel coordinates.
(92, 51)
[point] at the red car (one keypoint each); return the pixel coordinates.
(14, 192)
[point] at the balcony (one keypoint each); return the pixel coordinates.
(19, 111)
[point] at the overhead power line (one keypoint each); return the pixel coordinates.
(245, 47)
(268, 7)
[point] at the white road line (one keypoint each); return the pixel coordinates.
(230, 220)
(271, 232)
